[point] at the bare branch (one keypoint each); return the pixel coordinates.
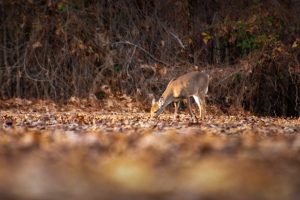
(144, 50)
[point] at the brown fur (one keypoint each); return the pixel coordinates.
(191, 84)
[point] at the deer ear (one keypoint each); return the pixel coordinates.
(153, 101)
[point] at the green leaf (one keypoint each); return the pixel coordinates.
(61, 7)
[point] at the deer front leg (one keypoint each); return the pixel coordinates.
(176, 105)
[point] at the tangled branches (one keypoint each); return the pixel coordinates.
(58, 49)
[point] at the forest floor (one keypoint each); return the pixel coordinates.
(76, 152)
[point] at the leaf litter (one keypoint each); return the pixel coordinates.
(57, 152)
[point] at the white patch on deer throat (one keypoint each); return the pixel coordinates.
(160, 102)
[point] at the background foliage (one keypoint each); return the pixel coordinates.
(55, 49)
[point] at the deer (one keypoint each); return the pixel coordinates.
(193, 84)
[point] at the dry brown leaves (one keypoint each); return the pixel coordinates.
(64, 152)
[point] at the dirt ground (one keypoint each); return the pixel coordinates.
(72, 152)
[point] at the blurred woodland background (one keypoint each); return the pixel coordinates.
(56, 49)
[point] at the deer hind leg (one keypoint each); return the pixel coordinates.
(200, 103)
(203, 102)
(190, 109)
